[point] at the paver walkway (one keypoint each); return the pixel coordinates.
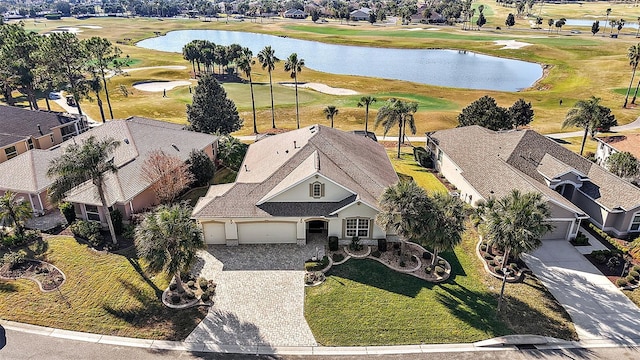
(599, 310)
(260, 295)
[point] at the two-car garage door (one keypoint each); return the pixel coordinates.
(267, 233)
(253, 233)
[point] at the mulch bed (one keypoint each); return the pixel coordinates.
(612, 273)
(47, 275)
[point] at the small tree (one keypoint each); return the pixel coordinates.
(595, 27)
(329, 112)
(212, 111)
(485, 112)
(231, 152)
(168, 239)
(365, 102)
(14, 211)
(448, 226)
(167, 174)
(511, 20)
(623, 164)
(201, 166)
(550, 22)
(481, 21)
(521, 113)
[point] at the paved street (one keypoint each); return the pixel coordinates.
(598, 309)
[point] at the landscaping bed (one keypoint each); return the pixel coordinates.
(47, 276)
(195, 292)
(492, 257)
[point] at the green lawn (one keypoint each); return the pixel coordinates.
(222, 176)
(104, 293)
(407, 166)
(364, 303)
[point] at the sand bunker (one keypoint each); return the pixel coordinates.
(511, 44)
(325, 89)
(418, 29)
(69, 29)
(90, 26)
(159, 86)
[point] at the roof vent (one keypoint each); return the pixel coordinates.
(245, 167)
(175, 147)
(40, 129)
(286, 151)
(295, 145)
(126, 141)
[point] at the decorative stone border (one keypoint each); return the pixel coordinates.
(510, 279)
(360, 256)
(64, 277)
(194, 303)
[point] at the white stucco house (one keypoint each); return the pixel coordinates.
(482, 163)
(608, 145)
(312, 180)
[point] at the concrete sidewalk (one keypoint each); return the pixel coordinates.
(599, 310)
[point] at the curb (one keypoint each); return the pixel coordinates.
(210, 347)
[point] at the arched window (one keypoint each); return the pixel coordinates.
(316, 190)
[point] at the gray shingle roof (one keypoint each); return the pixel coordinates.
(355, 162)
(27, 172)
(496, 162)
(19, 124)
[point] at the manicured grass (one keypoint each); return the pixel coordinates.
(574, 143)
(365, 303)
(104, 293)
(222, 176)
(407, 166)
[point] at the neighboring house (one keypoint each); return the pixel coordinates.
(295, 14)
(127, 191)
(315, 180)
(433, 16)
(482, 163)
(361, 14)
(611, 144)
(22, 130)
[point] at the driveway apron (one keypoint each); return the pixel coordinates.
(599, 310)
(259, 296)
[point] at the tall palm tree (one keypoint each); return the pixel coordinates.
(14, 211)
(88, 161)
(294, 66)
(638, 29)
(103, 55)
(168, 239)
(634, 57)
(190, 53)
(585, 114)
(365, 102)
(449, 224)
(244, 64)
(516, 222)
(96, 86)
(406, 210)
(329, 112)
(397, 112)
(606, 21)
(268, 60)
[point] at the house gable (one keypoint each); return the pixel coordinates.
(314, 188)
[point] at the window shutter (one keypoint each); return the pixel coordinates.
(322, 190)
(370, 228)
(344, 228)
(311, 190)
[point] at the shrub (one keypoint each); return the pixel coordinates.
(201, 166)
(88, 230)
(636, 268)
(600, 256)
(488, 257)
(376, 254)
(440, 270)
(402, 264)
(205, 296)
(175, 298)
(13, 259)
(426, 255)
(621, 282)
(355, 244)
(442, 262)
(497, 270)
(382, 245)
(310, 266)
(68, 211)
(173, 286)
(337, 257)
(630, 279)
(635, 274)
(333, 243)
(190, 295)
(581, 239)
(203, 283)
(129, 231)
(309, 278)
(423, 157)
(116, 219)
(191, 284)
(609, 239)
(396, 245)
(428, 269)
(492, 263)
(483, 247)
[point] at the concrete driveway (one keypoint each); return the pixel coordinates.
(259, 298)
(599, 310)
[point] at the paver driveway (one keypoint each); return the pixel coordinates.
(599, 310)
(260, 295)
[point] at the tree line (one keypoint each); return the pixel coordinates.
(36, 65)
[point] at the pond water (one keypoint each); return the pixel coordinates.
(452, 68)
(603, 21)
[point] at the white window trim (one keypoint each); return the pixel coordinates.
(357, 229)
(632, 222)
(87, 212)
(11, 155)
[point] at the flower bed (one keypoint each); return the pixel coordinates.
(492, 261)
(196, 292)
(46, 275)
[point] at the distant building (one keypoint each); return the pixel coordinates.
(295, 14)
(361, 14)
(618, 143)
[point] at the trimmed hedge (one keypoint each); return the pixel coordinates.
(609, 239)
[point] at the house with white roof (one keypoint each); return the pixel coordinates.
(292, 185)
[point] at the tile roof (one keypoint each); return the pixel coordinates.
(19, 124)
(355, 162)
(138, 138)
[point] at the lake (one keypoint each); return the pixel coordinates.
(452, 68)
(603, 21)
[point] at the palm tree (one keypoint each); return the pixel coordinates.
(294, 65)
(190, 53)
(244, 64)
(406, 210)
(634, 58)
(606, 21)
(365, 102)
(329, 112)
(638, 29)
(584, 114)
(449, 224)
(397, 112)
(89, 161)
(168, 239)
(96, 86)
(13, 212)
(103, 55)
(516, 222)
(268, 60)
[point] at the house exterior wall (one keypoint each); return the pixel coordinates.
(21, 147)
(144, 200)
(590, 207)
(301, 192)
(621, 222)
(45, 141)
(603, 152)
(450, 171)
